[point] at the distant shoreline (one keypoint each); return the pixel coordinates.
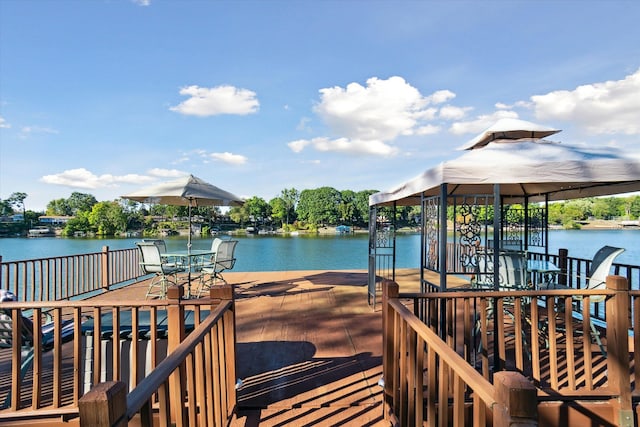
(601, 224)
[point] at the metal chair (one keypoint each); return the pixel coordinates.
(512, 275)
(224, 259)
(153, 262)
(596, 279)
(512, 271)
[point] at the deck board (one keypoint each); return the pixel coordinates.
(309, 349)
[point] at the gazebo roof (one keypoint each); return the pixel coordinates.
(524, 167)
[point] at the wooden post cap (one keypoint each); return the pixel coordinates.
(104, 405)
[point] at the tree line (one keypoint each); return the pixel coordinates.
(291, 210)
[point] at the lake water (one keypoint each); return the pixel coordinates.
(339, 252)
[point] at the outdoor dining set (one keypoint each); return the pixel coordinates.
(517, 272)
(203, 267)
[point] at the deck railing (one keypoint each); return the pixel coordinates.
(155, 331)
(456, 394)
(70, 276)
(534, 333)
(574, 271)
(194, 385)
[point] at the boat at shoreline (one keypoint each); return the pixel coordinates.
(41, 231)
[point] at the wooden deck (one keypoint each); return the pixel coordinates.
(309, 347)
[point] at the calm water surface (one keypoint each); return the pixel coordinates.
(339, 252)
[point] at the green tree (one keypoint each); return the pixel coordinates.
(347, 206)
(361, 214)
(257, 209)
(319, 206)
(17, 200)
(239, 214)
(290, 197)
(634, 206)
(81, 202)
(5, 208)
(79, 223)
(59, 207)
(107, 218)
(278, 209)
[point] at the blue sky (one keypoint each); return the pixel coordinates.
(104, 97)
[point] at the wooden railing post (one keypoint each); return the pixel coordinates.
(517, 401)
(105, 268)
(389, 290)
(228, 398)
(219, 294)
(618, 325)
(176, 334)
(105, 405)
(563, 255)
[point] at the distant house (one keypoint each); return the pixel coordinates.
(54, 220)
(17, 217)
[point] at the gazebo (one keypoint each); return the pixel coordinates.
(494, 195)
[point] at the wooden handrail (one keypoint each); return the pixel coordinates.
(178, 372)
(470, 376)
(70, 276)
(150, 384)
(412, 348)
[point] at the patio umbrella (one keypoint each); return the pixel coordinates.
(186, 191)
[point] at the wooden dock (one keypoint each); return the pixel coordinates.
(309, 347)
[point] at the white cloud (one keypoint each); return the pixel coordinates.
(27, 131)
(481, 122)
(604, 108)
(4, 124)
(226, 157)
(142, 2)
(217, 100)
(449, 112)
(303, 124)
(298, 145)
(428, 130)
(345, 145)
(381, 111)
(440, 96)
(82, 178)
(166, 173)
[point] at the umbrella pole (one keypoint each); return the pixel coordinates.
(189, 255)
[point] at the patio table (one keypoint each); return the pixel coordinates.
(192, 259)
(541, 268)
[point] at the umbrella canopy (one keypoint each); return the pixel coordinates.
(185, 191)
(530, 168)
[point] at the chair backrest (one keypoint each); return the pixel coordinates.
(6, 330)
(150, 257)
(512, 271)
(506, 245)
(215, 243)
(225, 255)
(161, 244)
(601, 266)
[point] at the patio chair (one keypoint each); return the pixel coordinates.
(224, 259)
(596, 279)
(512, 271)
(512, 275)
(25, 338)
(152, 262)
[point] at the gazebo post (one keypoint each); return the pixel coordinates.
(442, 259)
(497, 221)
